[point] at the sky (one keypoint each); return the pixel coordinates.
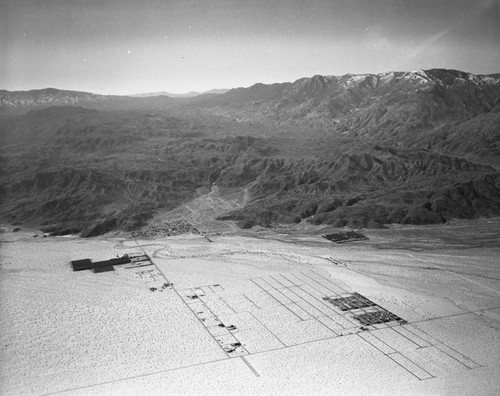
(138, 46)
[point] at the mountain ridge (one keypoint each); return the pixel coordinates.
(352, 150)
(306, 87)
(190, 94)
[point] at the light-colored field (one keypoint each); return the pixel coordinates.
(202, 211)
(247, 315)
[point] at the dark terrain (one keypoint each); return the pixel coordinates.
(360, 151)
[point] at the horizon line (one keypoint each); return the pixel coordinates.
(201, 92)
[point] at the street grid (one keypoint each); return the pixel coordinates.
(289, 309)
(286, 310)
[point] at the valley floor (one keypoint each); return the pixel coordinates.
(247, 314)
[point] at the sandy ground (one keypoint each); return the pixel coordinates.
(246, 314)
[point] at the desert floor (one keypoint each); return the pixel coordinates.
(245, 313)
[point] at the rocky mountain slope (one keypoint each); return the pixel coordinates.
(424, 95)
(370, 189)
(401, 108)
(19, 102)
(27, 100)
(404, 147)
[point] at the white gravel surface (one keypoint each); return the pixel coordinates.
(85, 333)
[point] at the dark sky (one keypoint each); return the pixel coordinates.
(125, 46)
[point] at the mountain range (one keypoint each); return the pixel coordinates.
(418, 147)
(190, 94)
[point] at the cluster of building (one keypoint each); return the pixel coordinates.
(343, 237)
(167, 228)
(99, 266)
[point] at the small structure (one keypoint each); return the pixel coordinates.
(120, 260)
(364, 310)
(343, 237)
(349, 302)
(85, 264)
(108, 268)
(379, 316)
(80, 265)
(138, 257)
(97, 264)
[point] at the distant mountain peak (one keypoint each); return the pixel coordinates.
(190, 94)
(319, 96)
(355, 150)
